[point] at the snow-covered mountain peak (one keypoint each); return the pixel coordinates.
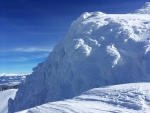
(145, 9)
(88, 23)
(87, 32)
(99, 49)
(89, 15)
(81, 23)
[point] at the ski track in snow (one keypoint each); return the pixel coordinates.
(125, 98)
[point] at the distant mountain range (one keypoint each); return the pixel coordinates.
(8, 81)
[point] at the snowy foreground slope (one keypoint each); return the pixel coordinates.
(99, 49)
(4, 97)
(126, 98)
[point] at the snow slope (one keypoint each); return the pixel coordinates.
(4, 97)
(126, 98)
(99, 49)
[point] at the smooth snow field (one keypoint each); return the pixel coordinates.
(125, 98)
(4, 97)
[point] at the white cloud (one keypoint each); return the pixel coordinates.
(32, 49)
(27, 49)
(26, 58)
(24, 54)
(39, 56)
(15, 59)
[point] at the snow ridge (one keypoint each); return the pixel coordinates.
(145, 9)
(99, 49)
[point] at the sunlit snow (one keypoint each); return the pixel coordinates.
(99, 50)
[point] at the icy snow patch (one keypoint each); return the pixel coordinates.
(80, 44)
(112, 50)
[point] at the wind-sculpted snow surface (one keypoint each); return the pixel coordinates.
(99, 49)
(145, 9)
(126, 98)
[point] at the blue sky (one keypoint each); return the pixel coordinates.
(29, 29)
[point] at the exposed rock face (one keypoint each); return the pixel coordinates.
(99, 49)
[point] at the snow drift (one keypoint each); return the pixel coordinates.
(99, 49)
(4, 97)
(125, 98)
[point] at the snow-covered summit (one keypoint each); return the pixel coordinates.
(99, 49)
(145, 9)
